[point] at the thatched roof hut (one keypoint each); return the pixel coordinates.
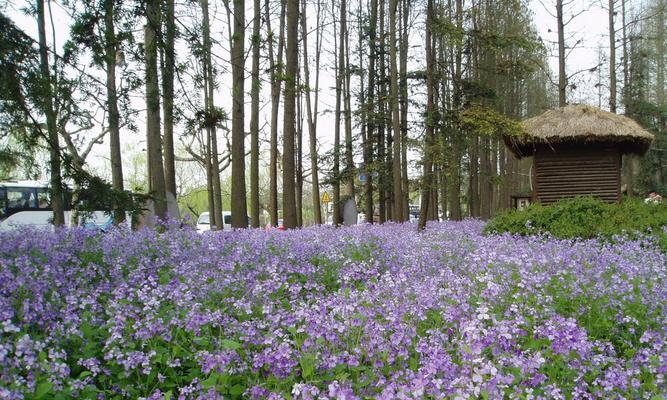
(577, 151)
(580, 124)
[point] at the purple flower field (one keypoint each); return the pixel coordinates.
(322, 313)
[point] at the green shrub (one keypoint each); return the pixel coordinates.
(585, 217)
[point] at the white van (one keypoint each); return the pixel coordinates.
(204, 221)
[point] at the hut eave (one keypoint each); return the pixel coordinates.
(526, 148)
(580, 124)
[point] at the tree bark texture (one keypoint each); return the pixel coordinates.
(562, 77)
(397, 210)
(216, 215)
(427, 179)
(275, 65)
(57, 201)
(156, 183)
(312, 115)
(239, 208)
(612, 58)
(254, 116)
(349, 158)
(168, 70)
(340, 81)
(291, 65)
(113, 116)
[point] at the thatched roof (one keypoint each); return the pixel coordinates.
(579, 123)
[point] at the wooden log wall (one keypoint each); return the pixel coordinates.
(579, 170)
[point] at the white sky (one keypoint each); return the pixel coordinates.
(590, 27)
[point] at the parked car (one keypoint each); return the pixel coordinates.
(204, 221)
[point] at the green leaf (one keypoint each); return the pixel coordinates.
(87, 330)
(237, 390)
(230, 344)
(307, 362)
(342, 376)
(202, 342)
(167, 395)
(42, 389)
(414, 362)
(164, 277)
(210, 382)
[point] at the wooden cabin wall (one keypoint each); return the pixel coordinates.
(569, 171)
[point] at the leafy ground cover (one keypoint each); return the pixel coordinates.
(586, 217)
(363, 312)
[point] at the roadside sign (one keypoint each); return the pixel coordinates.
(325, 198)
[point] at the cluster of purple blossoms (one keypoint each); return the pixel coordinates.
(321, 313)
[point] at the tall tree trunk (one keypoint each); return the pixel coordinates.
(627, 158)
(369, 112)
(57, 201)
(212, 136)
(445, 101)
(562, 78)
(397, 211)
(291, 65)
(209, 173)
(493, 173)
(349, 159)
(612, 58)
(312, 117)
(239, 207)
(208, 164)
(340, 71)
(403, 73)
(454, 185)
(427, 178)
(474, 151)
(156, 184)
(660, 85)
(298, 169)
(384, 209)
(433, 205)
(486, 188)
(506, 187)
(473, 171)
(168, 69)
(254, 116)
(443, 193)
(113, 116)
(626, 72)
(275, 65)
